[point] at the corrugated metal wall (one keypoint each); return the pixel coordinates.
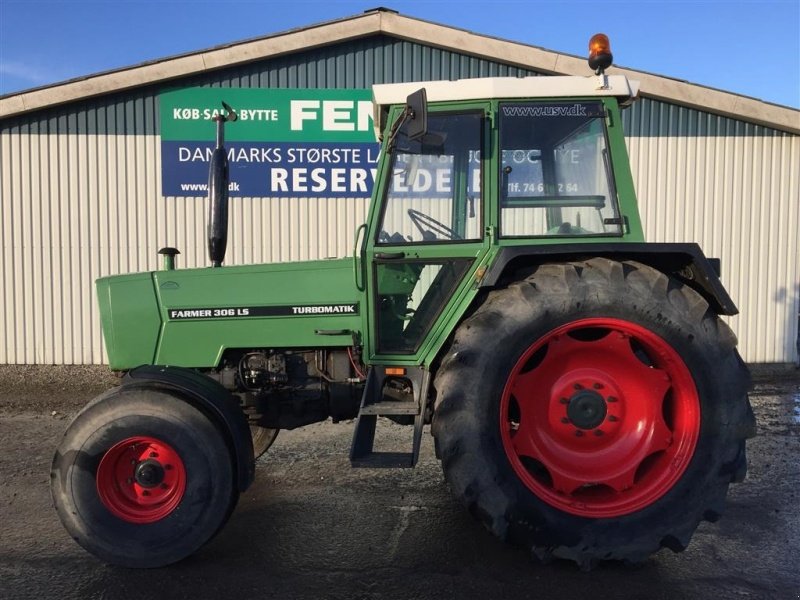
(734, 187)
(80, 198)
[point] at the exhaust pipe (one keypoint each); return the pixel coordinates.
(218, 179)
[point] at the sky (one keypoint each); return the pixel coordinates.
(747, 47)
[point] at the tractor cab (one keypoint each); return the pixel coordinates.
(470, 166)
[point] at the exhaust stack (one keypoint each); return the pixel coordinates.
(218, 179)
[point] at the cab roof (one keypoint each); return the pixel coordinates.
(512, 88)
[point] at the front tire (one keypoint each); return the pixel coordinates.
(596, 410)
(142, 478)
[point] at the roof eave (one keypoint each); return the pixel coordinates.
(652, 86)
(184, 65)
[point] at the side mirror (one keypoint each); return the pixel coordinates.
(417, 110)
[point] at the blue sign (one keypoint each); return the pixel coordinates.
(270, 170)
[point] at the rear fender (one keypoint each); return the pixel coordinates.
(684, 261)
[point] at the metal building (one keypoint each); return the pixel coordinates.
(81, 190)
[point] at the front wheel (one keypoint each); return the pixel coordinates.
(142, 478)
(595, 410)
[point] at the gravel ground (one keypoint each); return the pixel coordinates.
(311, 527)
(26, 389)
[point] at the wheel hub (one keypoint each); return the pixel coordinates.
(141, 480)
(149, 473)
(586, 409)
(600, 417)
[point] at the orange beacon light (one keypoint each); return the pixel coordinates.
(600, 57)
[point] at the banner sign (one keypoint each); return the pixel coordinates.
(286, 143)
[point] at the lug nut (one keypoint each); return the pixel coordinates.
(578, 386)
(578, 433)
(145, 493)
(613, 418)
(598, 386)
(565, 419)
(598, 432)
(153, 455)
(611, 399)
(564, 400)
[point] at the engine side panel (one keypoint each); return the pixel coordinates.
(189, 317)
(206, 311)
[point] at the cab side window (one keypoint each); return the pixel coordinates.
(433, 195)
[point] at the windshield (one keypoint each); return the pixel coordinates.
(555, 171)
(433, 195)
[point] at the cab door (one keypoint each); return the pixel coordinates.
(429, 235)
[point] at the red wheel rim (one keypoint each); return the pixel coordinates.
(600, 417)
(141, 480)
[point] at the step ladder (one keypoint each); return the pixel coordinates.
(373, 405)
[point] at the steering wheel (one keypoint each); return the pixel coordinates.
(428, 226)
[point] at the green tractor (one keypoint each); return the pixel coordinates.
(585, 398)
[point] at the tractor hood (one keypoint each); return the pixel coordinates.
(189, 317)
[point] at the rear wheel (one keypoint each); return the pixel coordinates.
(142, 478)
(595, 410)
